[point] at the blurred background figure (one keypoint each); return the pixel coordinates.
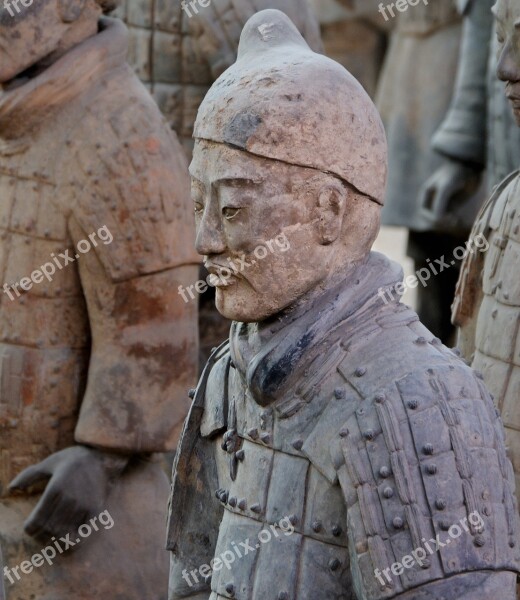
(178, 57)
(356, 36)
(413, 97)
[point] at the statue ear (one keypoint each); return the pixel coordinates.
(70, 10)
(331, 210)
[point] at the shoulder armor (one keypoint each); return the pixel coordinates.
(132, 179)
(422, 459)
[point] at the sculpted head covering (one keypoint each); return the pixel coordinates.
(282, 101)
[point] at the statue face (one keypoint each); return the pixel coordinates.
(28, 33)
(507, 13)
(249, 215)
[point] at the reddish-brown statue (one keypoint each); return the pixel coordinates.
(97, 348)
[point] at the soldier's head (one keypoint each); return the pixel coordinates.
(507, 14)
(38, 30)
(288, 172)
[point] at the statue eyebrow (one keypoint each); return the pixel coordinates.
(238, 181)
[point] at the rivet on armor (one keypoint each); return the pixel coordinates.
(440, 504)
(388, 492)
(344, 433)
(336, 531)
(256, 508)
(232, 501)
(413, 404)
(240, 454)
(334, 564)
(297, 444)
(380, 398)
(421, 340)
(384, 472)
(293, 519)
(456, 351)
(265, 437)
(428, 448)
(283, 596)
(444, 525)
(339, 393)
(431, 469)
(191, 393)
(398, 523)
(369, 434)
(253, 433)
(506, 295)
(360, 371)
(317, 526)
(230, 589)
(224, 496)
(486, 511)
(479, 541)
(242, 504)
(436, 341)
(512, 543)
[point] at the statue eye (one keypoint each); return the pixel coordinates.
(230, 213)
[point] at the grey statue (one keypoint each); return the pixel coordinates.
(413, 97)
(487, 305)
(478, 133)
(335, 449)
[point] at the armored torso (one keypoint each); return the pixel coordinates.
(378, 439)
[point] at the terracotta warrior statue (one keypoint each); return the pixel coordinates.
(97, 347)
(487, 305)
(333, 438)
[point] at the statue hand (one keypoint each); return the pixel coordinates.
(453, 181)
(79, 479)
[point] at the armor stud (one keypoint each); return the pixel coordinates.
(293, 519)
(230, 589)
(379, 398)
(360, 371)
(297, 444)
(436, 342)
(283, 596)
(444, 525)
(388, 492)
(265, 437)
(191, 393)
(369, 434)
(428, 449)
(242, 504)
(421, 341)
(334, 564)
(413, 404)
(384, 472)
(344, 433)
(431, 469)
(479, 541)
(240, 454)
(339, 393)
(398, 523)
(232, 501)
(253, 433)
(256, 508)
(336, 531)
(316, 526)
(440, 504)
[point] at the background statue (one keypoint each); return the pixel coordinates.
(178, 50)
(413, 97)
(487, 305)
(97, 347)
(333, 435)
